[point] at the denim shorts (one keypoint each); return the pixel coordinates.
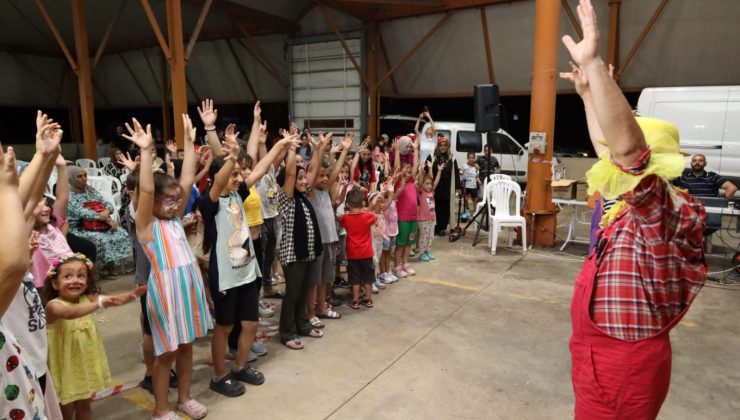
(389, 243)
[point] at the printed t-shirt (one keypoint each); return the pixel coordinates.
(426, 206)
(232, 262)
(26, 319)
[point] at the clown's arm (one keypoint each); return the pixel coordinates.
(613, 114)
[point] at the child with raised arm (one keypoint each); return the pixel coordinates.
(390, 224)
(406, 203)
(77, 360)
(176, 302)
(426, 214)
(360, 265)
(300, 246)
(233, 268)
(322, 195)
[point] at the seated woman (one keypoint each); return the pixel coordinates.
(89, 217)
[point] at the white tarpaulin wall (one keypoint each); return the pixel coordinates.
(693, 43)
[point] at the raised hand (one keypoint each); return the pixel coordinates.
(189, 130)
(587, 50)
(441, 166)
(48, 134)
(293, 128)
(231, 149)
(8, 169)
(208, 114)
(230, 134)
(171, 147)
(263, 133)
(289, 142)
(336, 148)
(347, 142)
(325, 140)
(257, 111)
(127, 162)
(362, 147)
(577, 77)
(138, 136)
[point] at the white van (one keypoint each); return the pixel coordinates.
(708, 121)
(511, 155)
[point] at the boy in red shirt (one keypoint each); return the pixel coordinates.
(360, 266)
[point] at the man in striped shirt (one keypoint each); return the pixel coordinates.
(701, 183)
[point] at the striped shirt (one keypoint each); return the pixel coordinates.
(651, 266)
(705, 185)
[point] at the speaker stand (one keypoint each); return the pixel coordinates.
(481, 219)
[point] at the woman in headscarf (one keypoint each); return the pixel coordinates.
(449, 182)
(90, 217)
(406, 151)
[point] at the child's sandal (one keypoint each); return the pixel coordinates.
(294, 344)
(368, 303)
(193, 409)
(354, 304)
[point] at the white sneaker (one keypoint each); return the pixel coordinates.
(375, 290)
(385, 279)
(392, 277)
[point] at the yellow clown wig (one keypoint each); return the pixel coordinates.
(666, 161)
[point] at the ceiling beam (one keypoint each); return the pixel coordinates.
(390, 12)
(157, 31)
(330, 21)
(106, 37)
(246, 15)
(198, 28)
(438, 3)
(60, 40)
(640, 39)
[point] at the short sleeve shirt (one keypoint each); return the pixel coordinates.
(233, 261)
(268, 190)
(469, 175)
(704, 185)
(26, 319)
(321, 202)
(359, 240)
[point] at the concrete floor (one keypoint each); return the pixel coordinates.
(471, 336)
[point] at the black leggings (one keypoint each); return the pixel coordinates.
(442, 210)
(237, 329)
(82, 246)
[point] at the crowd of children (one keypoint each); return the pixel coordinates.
(205, 256)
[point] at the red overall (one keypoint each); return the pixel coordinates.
(614, 378)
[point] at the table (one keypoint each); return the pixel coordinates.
(572, 238)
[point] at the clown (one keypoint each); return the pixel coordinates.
(648, 263)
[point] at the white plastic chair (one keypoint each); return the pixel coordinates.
(492, 177)
(103, 161)
(52, 181)
(499, 193)
(86, 163)
(116, 185)
(93, 172)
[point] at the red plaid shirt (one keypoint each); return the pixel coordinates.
(652, 266)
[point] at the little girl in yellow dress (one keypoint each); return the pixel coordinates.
(77, 360)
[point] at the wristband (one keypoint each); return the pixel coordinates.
(211, 128)
(101, 298)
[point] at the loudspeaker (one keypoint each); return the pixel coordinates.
(486, 108)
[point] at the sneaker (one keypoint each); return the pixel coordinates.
(385, 279)
(375, 289)
(227, 386)
(430, 256)
(259, 348)
(424, 257)
(343, 284)
(399, 272)
(409, 271)
(379, 284)
(392, 277)
(265, 312)
(231, 355)
(147, 384)
(248, 375)
(412, 253)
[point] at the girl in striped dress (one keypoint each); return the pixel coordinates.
(176, 300)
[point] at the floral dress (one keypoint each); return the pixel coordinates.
(112, 245)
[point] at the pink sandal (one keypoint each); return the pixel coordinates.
(169, 416)
(193, 409)
(410, 271)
